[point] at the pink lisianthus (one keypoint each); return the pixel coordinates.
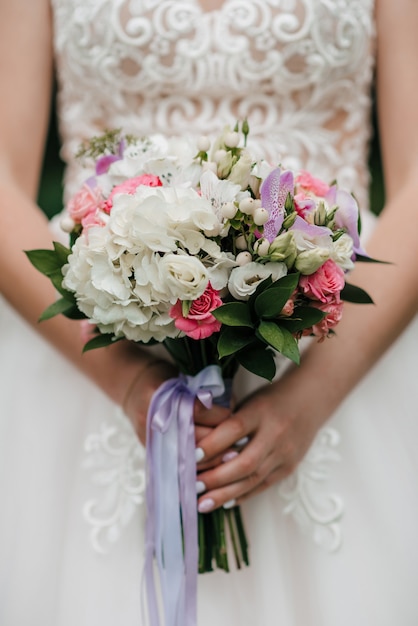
(309, 184)
(199, 322)
(334, 312)
(304, 205)
(129, 187)
(324, 284)
(85, 202)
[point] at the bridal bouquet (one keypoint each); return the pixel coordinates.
(225, 259)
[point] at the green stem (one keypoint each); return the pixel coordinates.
(241, 534)
(229, 514)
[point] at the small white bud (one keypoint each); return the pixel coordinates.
(261, 247)
(243, 258)
(219, 155)
(246, 206)
(67, 224)
(261, 216)
(203, 143)
(241, 242)
(231, 139)
(228, 210)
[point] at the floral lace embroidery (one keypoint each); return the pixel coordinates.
(116, 460)
(300, 70)
(316, 511)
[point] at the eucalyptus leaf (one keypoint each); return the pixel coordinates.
(352, 293)
(258, 360)
(234, 314)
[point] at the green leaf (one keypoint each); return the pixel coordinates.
(46, 261)
(304, 317)
(62, 252)
(352, 293)
(261, 287)
(280, 339)
(100, 341)
(233, 339)
(234, 314)
(258, 360)
(368, 259)
(271, 301)
(60, 306)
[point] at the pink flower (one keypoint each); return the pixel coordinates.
(85, 201)
(308, 183)
(324, 284)
(93, 219)
(304, 205)
(129, 187)
(199, 322)
(334, 312)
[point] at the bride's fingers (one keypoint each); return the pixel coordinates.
(210, 417)
(225, 436)
(231, 494)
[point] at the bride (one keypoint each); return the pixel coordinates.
(327, 479)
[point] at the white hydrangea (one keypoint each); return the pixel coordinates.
(127, 274)
(342, 252)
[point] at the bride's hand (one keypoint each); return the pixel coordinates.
(145, 383)
(280, 426)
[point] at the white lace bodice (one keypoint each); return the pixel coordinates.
(299, 70)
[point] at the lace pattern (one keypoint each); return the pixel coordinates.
(116, 459)
(300, 70)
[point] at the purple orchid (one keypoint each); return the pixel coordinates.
(347, 215)
(273, 194)
(103, 164)
(311, 231)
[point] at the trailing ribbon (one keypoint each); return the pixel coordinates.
(171, 526)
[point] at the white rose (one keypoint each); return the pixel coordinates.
(244, 280)
(186, 276)
(342, 251)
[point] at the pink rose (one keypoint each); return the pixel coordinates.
(129, 187)
(324, 284)
(308, 183)
(199, 322)
(334, 312)
(85, 201)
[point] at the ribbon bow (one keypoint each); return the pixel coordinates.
(171, 526)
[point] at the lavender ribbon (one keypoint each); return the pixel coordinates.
(171, 534)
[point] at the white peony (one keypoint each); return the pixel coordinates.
(244, 280)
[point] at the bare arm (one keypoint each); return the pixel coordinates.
(26, 76)
(281, 420)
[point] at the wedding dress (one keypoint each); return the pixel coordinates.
(336, 543)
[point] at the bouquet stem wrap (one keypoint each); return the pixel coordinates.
(171, 533)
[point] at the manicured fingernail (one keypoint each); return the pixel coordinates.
(200, 486)
(229, 456)
(230, 504)
(242, 442)
(200, 454)
(206, 505)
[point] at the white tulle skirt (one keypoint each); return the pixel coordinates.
(335, 545)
